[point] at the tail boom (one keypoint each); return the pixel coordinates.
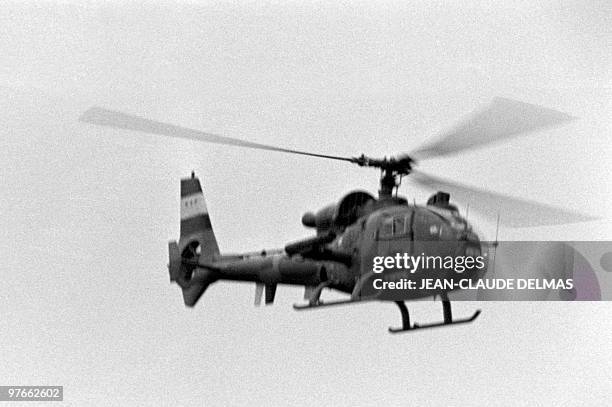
(195, 262)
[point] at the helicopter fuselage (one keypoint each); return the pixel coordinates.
(343, 259)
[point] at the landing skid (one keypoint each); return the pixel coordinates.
(315, 299)
(315, 302)
(435, 324)
(321, 304)
(448, 318)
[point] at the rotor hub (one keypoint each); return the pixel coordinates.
(392, 170)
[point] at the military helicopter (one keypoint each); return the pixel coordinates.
(359, 227)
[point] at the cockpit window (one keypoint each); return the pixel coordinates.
(386, 227)
(399, 225)
(394, 226)
(452, 216)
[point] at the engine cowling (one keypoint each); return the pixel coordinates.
(338, 216)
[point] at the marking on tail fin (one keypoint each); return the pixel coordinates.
(193, 205)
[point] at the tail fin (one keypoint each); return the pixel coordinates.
(195, 221)
(197, 244)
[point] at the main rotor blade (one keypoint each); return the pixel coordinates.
(514, 212)
(119, 120)
(501, 119)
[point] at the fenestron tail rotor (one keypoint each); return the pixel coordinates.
(501, 120)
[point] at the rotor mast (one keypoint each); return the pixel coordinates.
(391, 169)
(388, 181)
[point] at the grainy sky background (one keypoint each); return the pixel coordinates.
(85, 212)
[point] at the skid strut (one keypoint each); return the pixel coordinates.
(315, 299)
(448, 317)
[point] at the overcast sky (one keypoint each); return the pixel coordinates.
(86, 212)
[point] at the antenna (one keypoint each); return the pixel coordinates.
(496, 243)
(497, 229)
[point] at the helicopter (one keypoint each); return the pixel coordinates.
(350, 234)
